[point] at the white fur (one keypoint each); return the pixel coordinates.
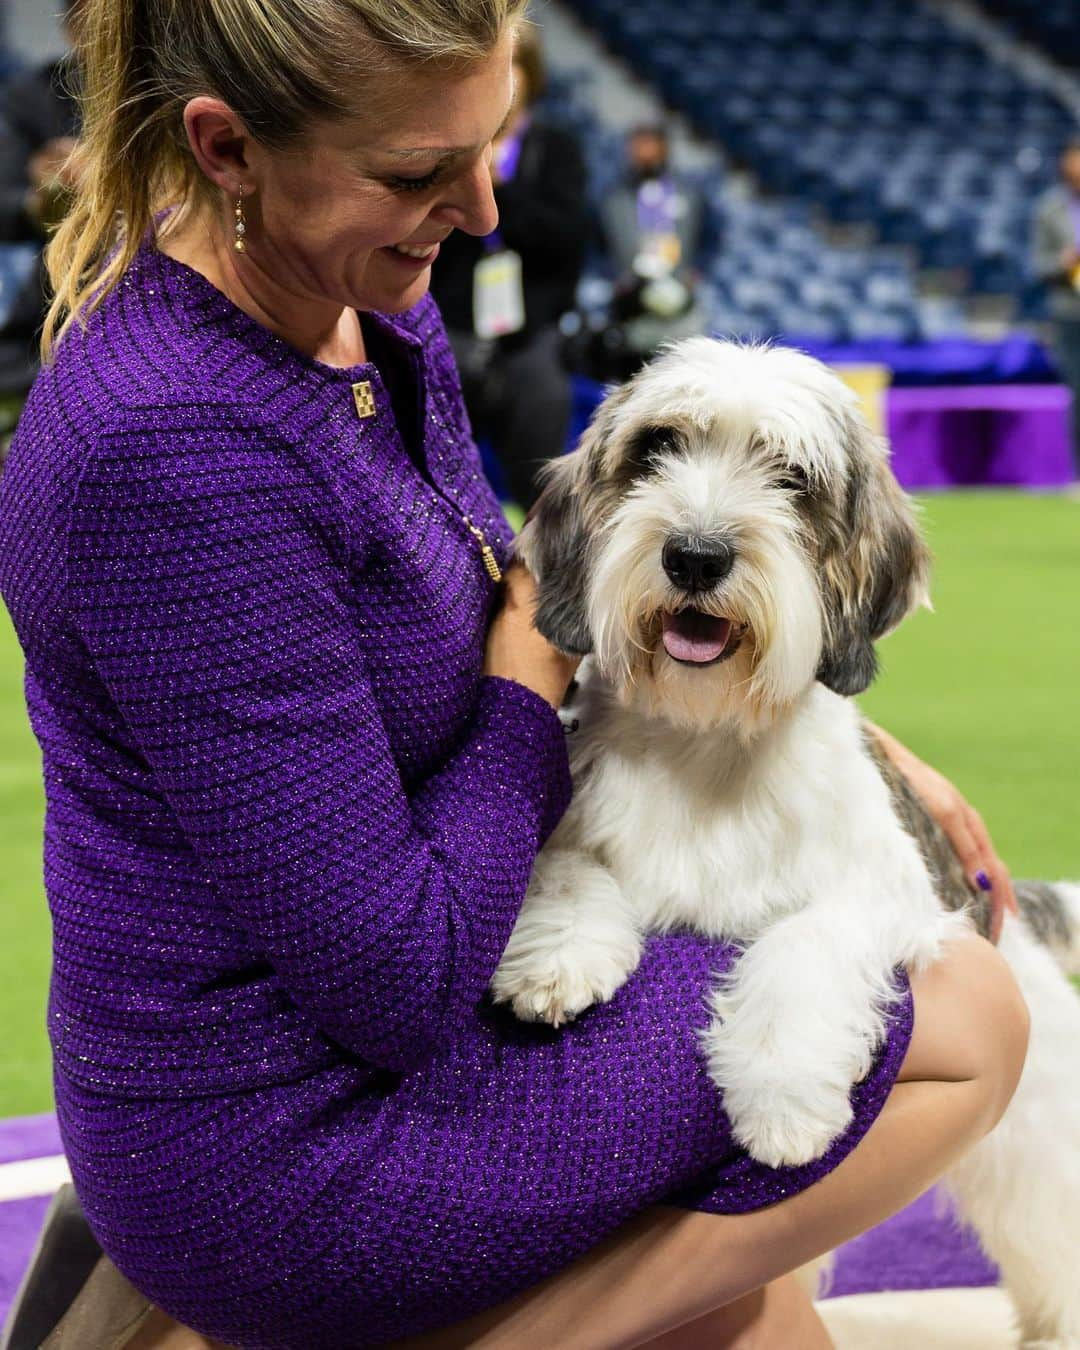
(738, 800)
(1020, 1187)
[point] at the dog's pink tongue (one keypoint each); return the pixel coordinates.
(693, 636)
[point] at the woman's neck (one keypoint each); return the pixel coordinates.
(329, 333)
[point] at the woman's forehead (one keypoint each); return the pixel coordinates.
(438, 112)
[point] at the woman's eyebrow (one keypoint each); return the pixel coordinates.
(423, 152)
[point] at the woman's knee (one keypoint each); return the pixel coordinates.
(971, 1024)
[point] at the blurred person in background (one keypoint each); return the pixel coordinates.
(1057, 263)
(651, 232)
(39, 123)
(653, 217)
(501, 296)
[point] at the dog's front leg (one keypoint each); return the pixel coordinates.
(796, 1024)
(576, 941)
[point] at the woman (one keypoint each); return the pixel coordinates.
(296, 780)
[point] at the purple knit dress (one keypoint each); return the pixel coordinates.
(289, 827)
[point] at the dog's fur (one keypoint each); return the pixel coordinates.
(734, 791)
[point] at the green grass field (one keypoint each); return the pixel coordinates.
(985, 688)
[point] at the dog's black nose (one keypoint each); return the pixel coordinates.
(696, 567)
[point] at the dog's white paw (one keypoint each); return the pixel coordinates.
(786, 1124)
(557, 983)
(574, 944)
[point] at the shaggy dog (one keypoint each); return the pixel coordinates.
(727, 544)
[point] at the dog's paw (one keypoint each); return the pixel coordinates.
(557, 984)
(786, 1124)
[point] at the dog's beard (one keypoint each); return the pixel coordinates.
(770, 600)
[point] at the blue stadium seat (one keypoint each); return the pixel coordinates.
(827, 101)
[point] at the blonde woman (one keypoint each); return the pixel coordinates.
(300, 750)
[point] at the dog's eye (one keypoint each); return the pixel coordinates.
(793, 479)
(651, 445)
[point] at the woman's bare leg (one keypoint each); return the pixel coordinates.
(779, 1316)
(668, 1268)
(160, 1332)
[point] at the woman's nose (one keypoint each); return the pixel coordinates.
(471, 206)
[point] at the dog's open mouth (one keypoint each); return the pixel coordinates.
(694, 638)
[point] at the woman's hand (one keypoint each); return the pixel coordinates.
(516, 651)
(962, 825)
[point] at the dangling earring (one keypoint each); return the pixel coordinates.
(240, 225)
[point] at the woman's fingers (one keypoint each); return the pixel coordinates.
(993, 877)
(971, 841)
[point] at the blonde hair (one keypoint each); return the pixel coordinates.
(279, 64)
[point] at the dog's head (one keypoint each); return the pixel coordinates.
(727, 531)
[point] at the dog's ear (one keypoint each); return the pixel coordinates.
(553, 546)
(876, 569)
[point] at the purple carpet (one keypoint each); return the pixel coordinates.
(20, 1221)
(29, 1137)
(920, 1248)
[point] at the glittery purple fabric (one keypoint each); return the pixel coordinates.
(289, 826)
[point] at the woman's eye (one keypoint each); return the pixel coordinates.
(414, 184)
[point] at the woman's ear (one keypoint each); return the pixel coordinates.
(220, 143)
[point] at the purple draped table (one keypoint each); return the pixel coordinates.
(1003, 435)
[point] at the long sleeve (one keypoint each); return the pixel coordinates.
(213, 598)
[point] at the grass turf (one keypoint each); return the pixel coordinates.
(985, 688)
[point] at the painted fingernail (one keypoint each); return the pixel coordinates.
(983, 881)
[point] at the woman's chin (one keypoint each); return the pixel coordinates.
(391, 299)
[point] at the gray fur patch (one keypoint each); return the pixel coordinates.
(950, 881)
(1044, 913)
(1040, 903)
(554, 546)
(873, 561)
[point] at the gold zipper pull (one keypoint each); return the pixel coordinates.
(491, 563)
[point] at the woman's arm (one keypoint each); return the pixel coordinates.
(962, 824)
(214, 605)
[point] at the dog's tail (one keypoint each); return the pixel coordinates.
(1052, 912)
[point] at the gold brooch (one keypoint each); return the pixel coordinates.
(364, 400)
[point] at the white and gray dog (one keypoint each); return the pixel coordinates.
(727, 543)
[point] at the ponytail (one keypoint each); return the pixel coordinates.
(126, 157)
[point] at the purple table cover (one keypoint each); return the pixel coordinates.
(1009, 435)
